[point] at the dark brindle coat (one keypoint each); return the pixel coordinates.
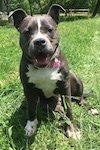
(44, 72)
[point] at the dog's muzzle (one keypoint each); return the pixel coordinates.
(41, 55)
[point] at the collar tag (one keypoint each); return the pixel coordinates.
(56, 63)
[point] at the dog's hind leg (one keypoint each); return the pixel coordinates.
(70, 126)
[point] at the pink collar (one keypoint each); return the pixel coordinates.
(56, 63)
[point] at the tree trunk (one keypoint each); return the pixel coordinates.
(0, 5)
(96, 8)
(30, 5)
(39, 4)
(7, 4)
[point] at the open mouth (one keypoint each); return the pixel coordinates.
(41, 60)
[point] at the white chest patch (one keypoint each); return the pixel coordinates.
(44, 79)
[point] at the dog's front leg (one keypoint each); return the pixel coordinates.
(70, 127)
(32, 122)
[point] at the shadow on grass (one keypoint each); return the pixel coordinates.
(5, 23)
(73, 18)
(17, 122)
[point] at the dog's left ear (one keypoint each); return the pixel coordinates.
(54, 12)
(18, 16)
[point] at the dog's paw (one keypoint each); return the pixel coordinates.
(73, 132)
(94, 111)
(31, 127)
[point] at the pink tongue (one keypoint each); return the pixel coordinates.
(42, 60)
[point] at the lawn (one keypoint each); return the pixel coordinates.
(80, 41)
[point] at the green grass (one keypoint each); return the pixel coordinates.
(80, 41)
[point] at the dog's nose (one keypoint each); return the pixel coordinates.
(40, 42)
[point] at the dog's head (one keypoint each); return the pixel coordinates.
(38, 36)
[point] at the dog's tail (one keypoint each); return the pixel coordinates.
(86, 95)
(81, 100)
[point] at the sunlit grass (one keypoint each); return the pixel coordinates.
(80, 41)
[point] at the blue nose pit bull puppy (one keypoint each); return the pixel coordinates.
(44, 72)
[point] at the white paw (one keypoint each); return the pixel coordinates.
(31, 127)
(94, 111)
(73, 133)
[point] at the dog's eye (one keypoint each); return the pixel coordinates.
(50, 30)
(26, 31)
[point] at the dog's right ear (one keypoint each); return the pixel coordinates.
(18, 16)
(54, 11)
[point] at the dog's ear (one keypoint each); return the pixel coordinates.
(18, 16)
(54, 12)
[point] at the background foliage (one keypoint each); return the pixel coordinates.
(41, 6)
